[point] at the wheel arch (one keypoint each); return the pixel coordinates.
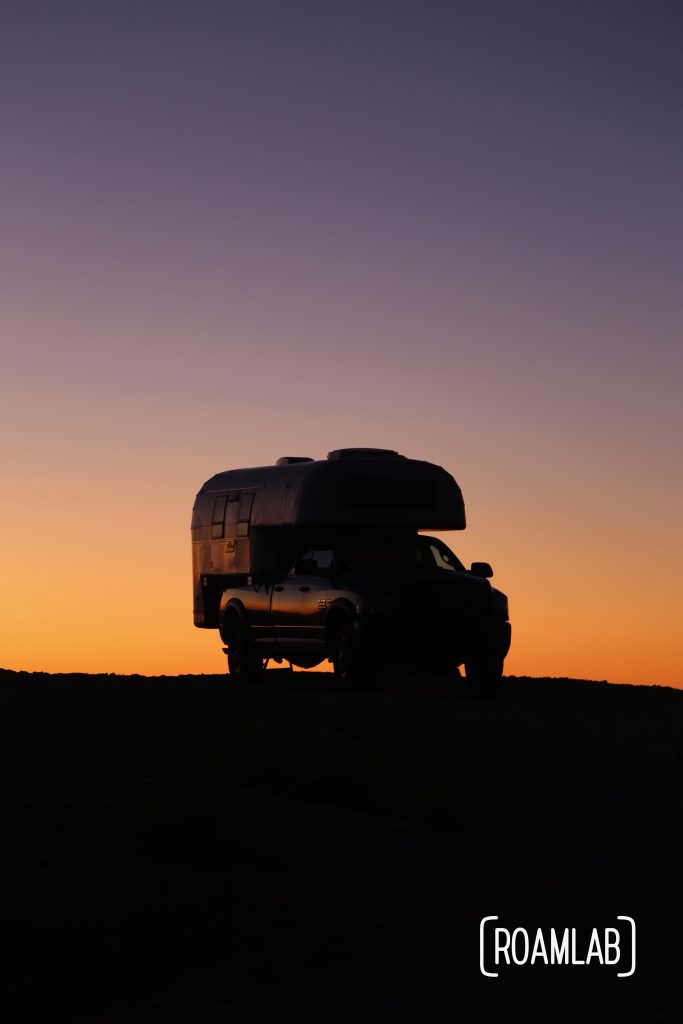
(231, 612)
(341, 611)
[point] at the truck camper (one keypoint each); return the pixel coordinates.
(313, 559)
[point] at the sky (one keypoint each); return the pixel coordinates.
(234, 231)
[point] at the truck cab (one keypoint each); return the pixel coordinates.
(365, 601)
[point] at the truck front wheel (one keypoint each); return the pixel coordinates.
(349, 665)
(242, 660)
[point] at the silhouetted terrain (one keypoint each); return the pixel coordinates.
(190, 850)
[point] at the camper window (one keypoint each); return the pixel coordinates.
(246, 501)
(218, 516)
(233, 505)
(403, 495)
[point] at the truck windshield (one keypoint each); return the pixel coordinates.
(380, 558)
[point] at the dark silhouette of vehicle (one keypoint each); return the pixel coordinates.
(309, 560)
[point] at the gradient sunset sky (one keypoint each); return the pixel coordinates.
(233, 231)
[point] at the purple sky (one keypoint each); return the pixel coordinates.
(232, 231)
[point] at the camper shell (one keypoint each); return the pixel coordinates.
(245, 521)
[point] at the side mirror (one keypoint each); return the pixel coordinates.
(482, 569)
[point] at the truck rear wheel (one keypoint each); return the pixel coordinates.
(484, 673)
(243, 663)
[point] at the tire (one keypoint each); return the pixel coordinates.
(350, 668)
(484, 674)
(243, 664)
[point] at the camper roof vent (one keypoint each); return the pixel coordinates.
(291, 460)
(364, 453)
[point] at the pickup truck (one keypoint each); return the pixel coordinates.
(366, 602)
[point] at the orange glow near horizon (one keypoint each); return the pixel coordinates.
(104, 583)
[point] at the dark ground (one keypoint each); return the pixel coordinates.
(191, 850)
